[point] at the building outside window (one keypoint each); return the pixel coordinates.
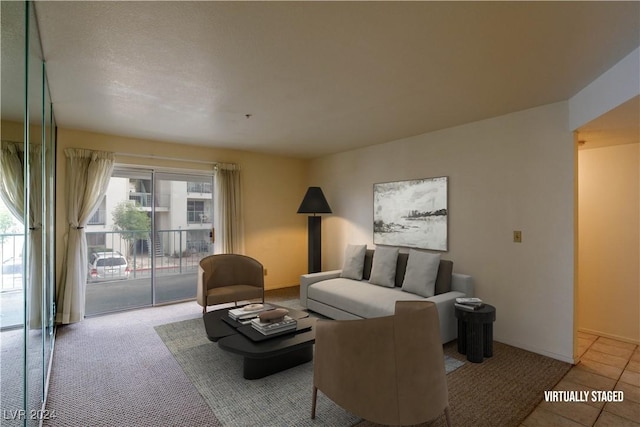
(96, 240)
(99, 217)
(199, 187)
(196, 212)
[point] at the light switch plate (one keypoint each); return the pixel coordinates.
(517, 236)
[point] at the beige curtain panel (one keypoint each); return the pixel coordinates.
(12, 166)
(228, 217)
(88, 173)
(11, 177)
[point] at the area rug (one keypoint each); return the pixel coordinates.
(277, 400)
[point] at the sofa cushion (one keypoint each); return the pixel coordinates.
(443, 281)
(368, 263)
(383, 270)
(422, 271)
(400, 266)
(445, 274)
(353, 262)
(359, 298)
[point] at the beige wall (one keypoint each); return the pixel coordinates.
(514, 172)
(12, 131)
(609, 209)
(272, 186)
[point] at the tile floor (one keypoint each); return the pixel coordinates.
(605, 364)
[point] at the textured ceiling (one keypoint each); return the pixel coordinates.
(319, 77)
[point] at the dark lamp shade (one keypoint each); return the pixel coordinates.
(314, 202)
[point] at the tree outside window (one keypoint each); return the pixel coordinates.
(8, 224)
(132, 222)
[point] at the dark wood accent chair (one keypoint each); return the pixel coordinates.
(229, 278)
(387, 370)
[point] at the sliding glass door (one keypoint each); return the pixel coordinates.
(182, 228)
(119, 242)
(146, 239)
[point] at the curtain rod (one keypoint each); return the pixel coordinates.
(175, 159)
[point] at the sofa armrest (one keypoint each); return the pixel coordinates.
(307, 280)
(462, 283)
(461, 286)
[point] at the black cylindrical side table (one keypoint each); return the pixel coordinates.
(475, 332)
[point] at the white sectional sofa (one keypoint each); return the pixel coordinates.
(343, 298)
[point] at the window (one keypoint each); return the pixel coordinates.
(140, 192)
(96, 240)
(111, 262)
(195, 212)
(100, 215)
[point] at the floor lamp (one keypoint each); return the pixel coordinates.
(314, 203)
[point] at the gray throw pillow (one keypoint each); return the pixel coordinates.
(353, 262)
(383, 270)
(421, 273)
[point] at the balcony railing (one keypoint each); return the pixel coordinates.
(198, 217)
(145, 200)
(199, 187)
(176, 252)
(171, 252)
(11, 246)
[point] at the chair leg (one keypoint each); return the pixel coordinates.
(313, 403)
(447, 415)
(204, 310)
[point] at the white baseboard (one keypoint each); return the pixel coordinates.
(525, 346)
(612, 336)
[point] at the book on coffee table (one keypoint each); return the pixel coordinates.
(268, 328)
(248, 312)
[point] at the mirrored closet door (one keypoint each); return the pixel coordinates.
(26, 219)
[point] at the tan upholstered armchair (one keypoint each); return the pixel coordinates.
(229, 278)
(388, 370)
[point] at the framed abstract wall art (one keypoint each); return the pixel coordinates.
(411, 213)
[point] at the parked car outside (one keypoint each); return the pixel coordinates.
(106, 266)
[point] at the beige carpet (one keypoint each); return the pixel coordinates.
(115, 371)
